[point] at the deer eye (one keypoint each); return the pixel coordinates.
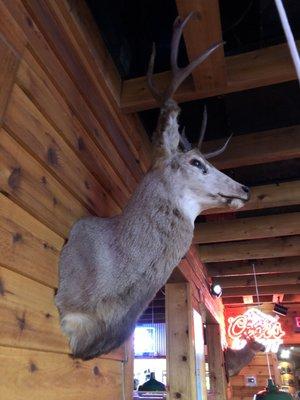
(199, 164)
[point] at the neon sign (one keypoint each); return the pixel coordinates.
(297, 324)
(264, 328)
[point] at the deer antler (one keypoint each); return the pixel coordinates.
(178, 75)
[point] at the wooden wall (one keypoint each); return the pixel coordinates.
(66, 151)
(258, 368)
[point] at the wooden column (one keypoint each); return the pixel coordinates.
(180, 349)
(216, 362)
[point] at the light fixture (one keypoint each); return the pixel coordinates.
(285, 354)
(272, 393)
(216, 290)
(280, 309)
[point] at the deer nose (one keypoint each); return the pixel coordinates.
(246, 189)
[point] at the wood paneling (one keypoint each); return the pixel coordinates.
(258, 368)
(257, 148)
(36, 135)
(257, 68)
(269, 266)
(66, 86)
(245, 291)
(251, 249)
(26, 245)
(86, 38)
(39, 88)
(267, 226)
(28, 183)
(66, 151)
(9, 62)
(41, 375)
(57, 37)
(292, 278)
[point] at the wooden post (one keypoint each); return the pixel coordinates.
(216, 362)
(181, 369)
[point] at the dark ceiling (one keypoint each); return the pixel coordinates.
(129, 27)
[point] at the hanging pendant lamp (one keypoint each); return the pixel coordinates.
(272, 393)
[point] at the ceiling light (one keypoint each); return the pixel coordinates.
(216, 290)
(285, 354)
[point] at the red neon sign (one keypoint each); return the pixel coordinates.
(297, 324)
(262, 327)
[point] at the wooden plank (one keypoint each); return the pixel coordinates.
(248, 228)
(55, 35)
(216, 362)
(35, 133)
(9, 62)
(267, 196)
(29, 318)
(245, 291)
(268, 266)
(10, 33)
(30, 185)
(287, 299)
(292, 278)
(67, 88)
(258, 148)
(179, 356)
(251, 249)
(26, 245)
(37, 85)
(257, 68)
(82, 30)
(200, 33)
(38, 375)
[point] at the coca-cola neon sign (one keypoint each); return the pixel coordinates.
(264, 328)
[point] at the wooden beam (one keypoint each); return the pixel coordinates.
(267, 196)
(250, 249)
(257, 148)
(180, 352)
(216, 362)
(200, 33)
(257, 68)
(247, 228)
(268, 266)
(262, 280)
(263, 290)
(287, 299)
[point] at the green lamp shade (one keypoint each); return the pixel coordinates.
(152, 385)
(272, 393)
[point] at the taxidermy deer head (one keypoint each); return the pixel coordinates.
(111, 268)
(236, 360)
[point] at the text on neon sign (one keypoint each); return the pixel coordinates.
(264, 328)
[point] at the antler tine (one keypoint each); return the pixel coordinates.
(219, 151)
(203, 127)
(184, 141)
(152, 87)
(180, 74)
(177, 32)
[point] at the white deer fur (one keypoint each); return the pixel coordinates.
(111, 268)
